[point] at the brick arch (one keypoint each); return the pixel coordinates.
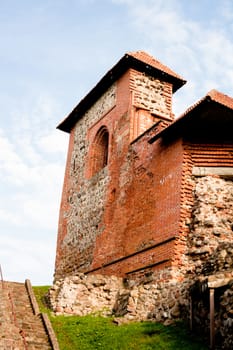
(99, 150)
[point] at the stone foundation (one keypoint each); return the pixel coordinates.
(151, 298)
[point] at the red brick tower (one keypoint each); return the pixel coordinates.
(112, 217)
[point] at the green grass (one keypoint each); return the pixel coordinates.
(98, 333)
(40, 294)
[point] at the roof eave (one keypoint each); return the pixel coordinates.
(179, 122)
(185, 117)
(108, 79)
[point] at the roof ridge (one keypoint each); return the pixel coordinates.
(154, 62)
(221, 98)
(139, 60)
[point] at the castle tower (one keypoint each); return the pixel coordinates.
(108, 216)
(149, 199)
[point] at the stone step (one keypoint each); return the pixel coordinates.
(20, 328)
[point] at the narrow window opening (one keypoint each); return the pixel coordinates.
(99, 158)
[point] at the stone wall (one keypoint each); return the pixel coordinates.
(211, 229)
(85, 197)
(152, 94)
(151, 102)
(210, 250)
(151, 298)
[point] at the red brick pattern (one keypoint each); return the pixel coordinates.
(211, 154)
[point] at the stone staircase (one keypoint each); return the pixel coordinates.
(22, 327)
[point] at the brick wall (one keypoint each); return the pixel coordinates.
(103, 216)
(142, 210)
(196, 155)
(151, 101)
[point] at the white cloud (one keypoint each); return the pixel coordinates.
(54, 142)
(226, 11)
(31, 258)
(7, 154)
(37, 190)
(200, 50)
(15, 165)
(7, 216)
(32, 163)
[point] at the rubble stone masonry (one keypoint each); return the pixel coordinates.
(83, 197)
(211, 229)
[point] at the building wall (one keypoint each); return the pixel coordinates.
(209, 221)
(102, 216)
(83, 197)
(197, 159)
(143, 219)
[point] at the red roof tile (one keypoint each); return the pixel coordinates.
(138, 60)
(150, 60)
(212, 95)
(221, 98)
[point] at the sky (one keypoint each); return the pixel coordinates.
(52, 53)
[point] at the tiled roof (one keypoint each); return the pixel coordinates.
(150, 60)
(212, 95)
(138, 60)
(221, 98)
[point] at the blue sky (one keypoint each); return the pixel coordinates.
(52, 52)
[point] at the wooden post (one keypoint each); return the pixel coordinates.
(191, 313)
(1, 275)
(212, 325)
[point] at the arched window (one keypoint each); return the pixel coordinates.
(99, 157)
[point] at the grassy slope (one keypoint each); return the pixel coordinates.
(94, 332)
